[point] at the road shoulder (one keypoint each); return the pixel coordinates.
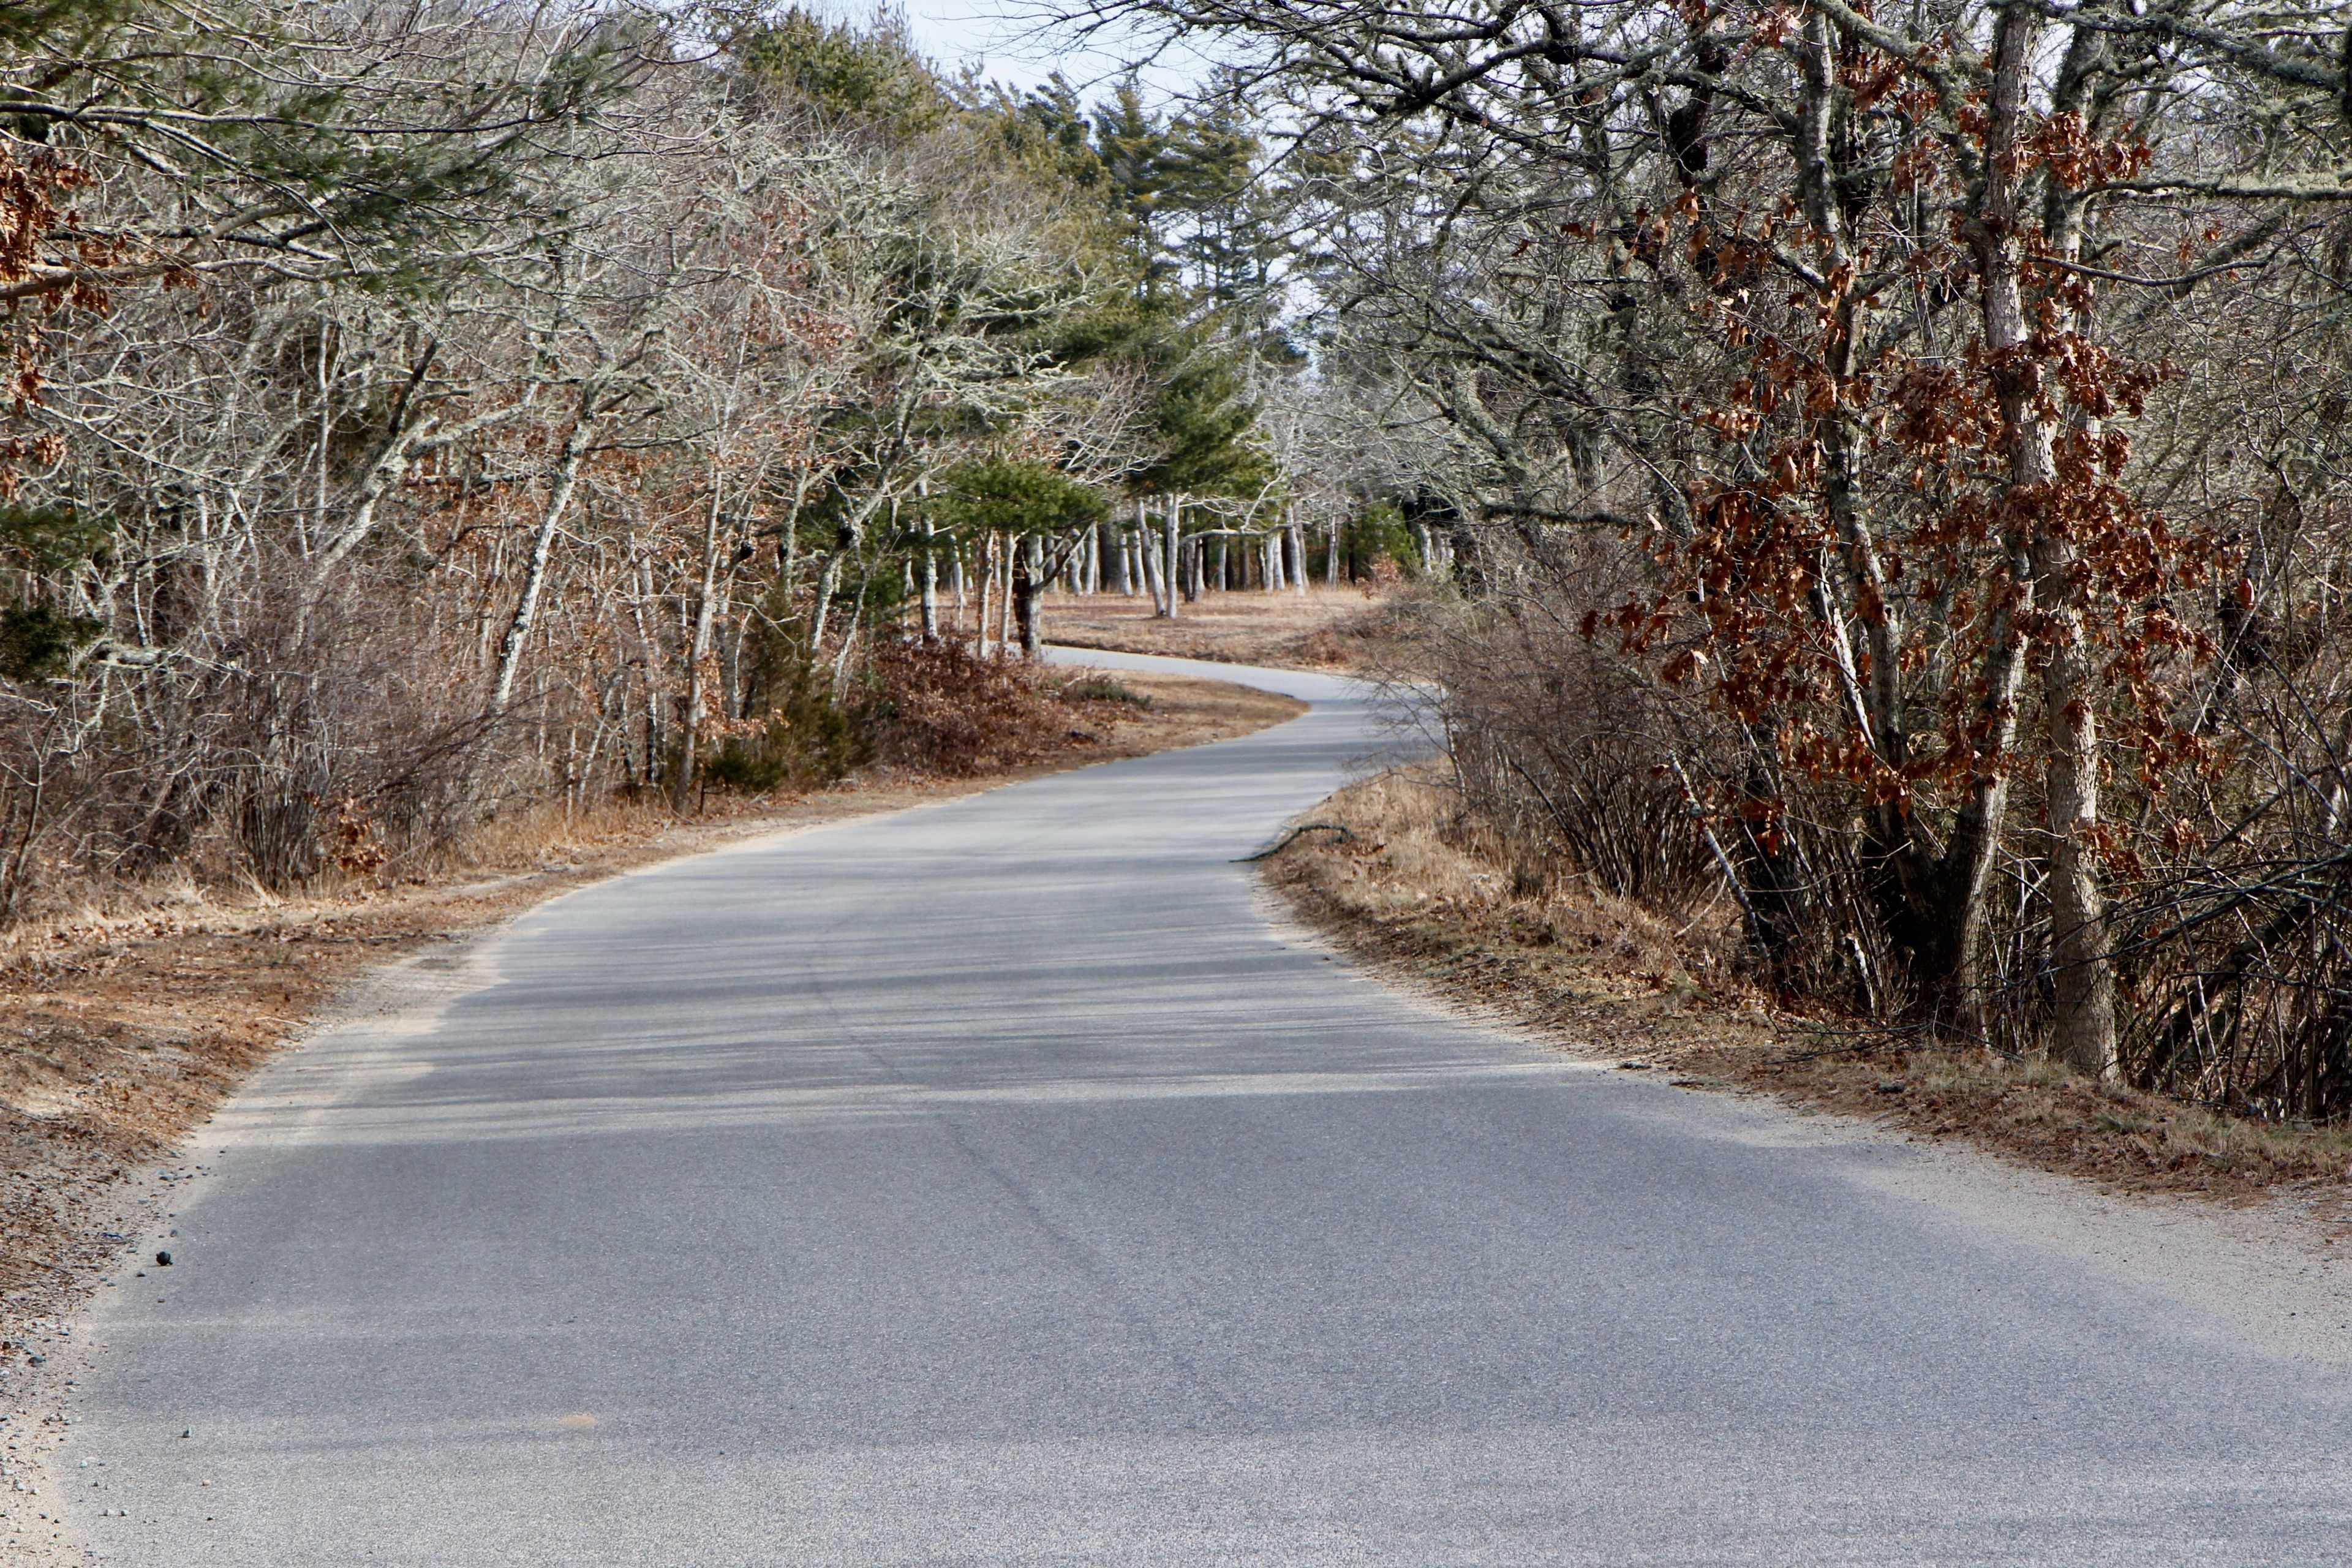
(2254, 1246)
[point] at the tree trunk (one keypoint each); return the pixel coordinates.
(2083, 985)
(930, 582)
(1147, 555)
(1172, 565)
(1028, 594)
(987, 588)
(829, 584)
(1004, 594)
(558, 499)
(847, 538)
(2083, 979)
(697, 646)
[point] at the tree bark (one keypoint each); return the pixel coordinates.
(705, 601)
(2083, 985)
(566, 478)
(1028, 594)
(2083, 979)
(1004, 595)
(1171, 565)
(987, 589)
(930, 582)
(1147, 554)
(847, 538)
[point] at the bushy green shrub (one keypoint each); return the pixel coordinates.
(806, 742)
(1376, 535)
(1102, 688)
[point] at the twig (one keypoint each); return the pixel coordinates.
(1283, 842)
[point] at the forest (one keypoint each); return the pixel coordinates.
(1878, 477)
(421, 411)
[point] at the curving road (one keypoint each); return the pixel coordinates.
(992, 1184)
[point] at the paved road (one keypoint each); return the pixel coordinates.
(993, 1185)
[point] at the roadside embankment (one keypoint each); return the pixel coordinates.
(1416, 889)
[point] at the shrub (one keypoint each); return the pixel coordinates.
(938, 708)
(1102, 688)
(806, 742)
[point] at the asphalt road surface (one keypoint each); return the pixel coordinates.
(994, 1184)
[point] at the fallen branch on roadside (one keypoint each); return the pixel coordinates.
(1285, 842)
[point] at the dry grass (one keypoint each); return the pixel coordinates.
(1326, 627)
(1417, 889)
(122, 1024)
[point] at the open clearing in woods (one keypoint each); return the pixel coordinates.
(1327, 626)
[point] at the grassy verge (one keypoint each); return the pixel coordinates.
(1412, 888)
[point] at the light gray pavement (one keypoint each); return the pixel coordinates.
(992, 1184)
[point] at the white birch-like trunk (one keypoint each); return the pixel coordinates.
(1171, 570)
(930, 582)
(987, 588)
(566, 478)
(1148, 554)
(1005, 599)
(698, 648)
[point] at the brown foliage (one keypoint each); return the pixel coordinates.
(940, 709)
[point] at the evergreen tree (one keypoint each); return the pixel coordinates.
(869, 75)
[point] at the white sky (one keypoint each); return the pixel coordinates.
(1011, 41)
